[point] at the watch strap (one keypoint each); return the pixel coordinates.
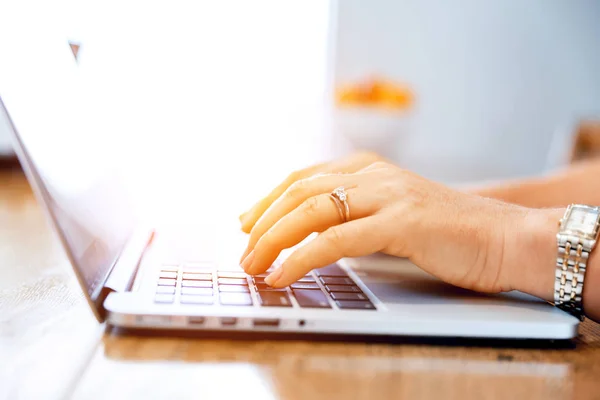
(571, 263)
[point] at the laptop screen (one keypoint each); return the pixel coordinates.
(68, 150)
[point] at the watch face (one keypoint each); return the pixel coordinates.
(582, 220)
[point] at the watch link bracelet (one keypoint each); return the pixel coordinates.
(576, 239)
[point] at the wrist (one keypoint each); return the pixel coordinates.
(530, 252)
(506, 192)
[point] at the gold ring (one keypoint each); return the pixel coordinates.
(341, 195)
(339, 206)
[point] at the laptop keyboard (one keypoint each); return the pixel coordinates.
(329, 287)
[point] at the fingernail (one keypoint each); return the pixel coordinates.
(274, 277)
(248, 261)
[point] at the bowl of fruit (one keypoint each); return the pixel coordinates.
(373, 115)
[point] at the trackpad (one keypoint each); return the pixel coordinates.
(412, 290)
(411, 285)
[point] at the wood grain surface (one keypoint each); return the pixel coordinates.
(51, 347)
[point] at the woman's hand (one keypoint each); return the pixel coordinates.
(460, 238)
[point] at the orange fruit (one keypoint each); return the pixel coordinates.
(378, 92)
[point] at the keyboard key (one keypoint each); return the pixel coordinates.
(165, 289)
(331, 270)
(197, 277)
(232, 281)
(164, 298)
(263, 287)
(305, 286)
(336, 281)
(205, 300)
(197, 284)
(197, 291)
(274, 299)
(168, 275)
(169, 268)
(236, 299)
(234, 289)
(355, 305)
(232, 274)
(306, 279)
(167, 282)
(349, 296)
(340, 288)
(311, 299)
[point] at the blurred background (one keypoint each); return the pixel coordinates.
(213, 103)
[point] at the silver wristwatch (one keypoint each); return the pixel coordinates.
(576, 239)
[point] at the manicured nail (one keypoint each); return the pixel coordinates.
(248, 261)
(274, 277)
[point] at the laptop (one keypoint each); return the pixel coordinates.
(134, 278)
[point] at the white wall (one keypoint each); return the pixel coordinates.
(494, 79)
(217, 101)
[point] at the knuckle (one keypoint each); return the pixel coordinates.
(297, 189)
(300, 174)
(404, 173)
(379, 165)
(334, 236)
(398, 175)
(294, 176)
(389, 188)
(267, 240)
(311, 206)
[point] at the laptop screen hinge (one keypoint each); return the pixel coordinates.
(125, 268)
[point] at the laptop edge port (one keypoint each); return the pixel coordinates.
(266, 322)
(228, 321)
(196, 320)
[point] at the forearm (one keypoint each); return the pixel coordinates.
(579, 184)
(531, 259)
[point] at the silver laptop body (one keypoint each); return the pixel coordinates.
(134, 277)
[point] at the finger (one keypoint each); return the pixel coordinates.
(349, 164)
(314, 215)
(293, 197)
(353, 239)
(249, 218)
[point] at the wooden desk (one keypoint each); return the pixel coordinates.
(52, 347)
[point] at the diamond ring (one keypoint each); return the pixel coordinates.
(341, 195)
